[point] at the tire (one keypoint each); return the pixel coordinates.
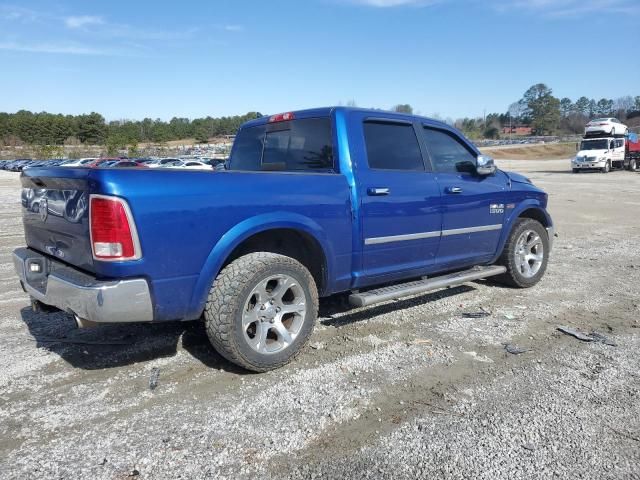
(633, 165)
(613, 132)
(607, 167)
(253, 290)
(517, 275)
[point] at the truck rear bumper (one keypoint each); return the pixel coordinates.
(80, 294)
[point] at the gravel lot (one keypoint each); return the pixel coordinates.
(409, 389)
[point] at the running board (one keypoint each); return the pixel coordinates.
(370, 297)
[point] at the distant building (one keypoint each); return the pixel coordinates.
(517, 130)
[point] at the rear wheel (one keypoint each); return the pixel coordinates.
(633, 165)
(613, 131)
(525, 254)
(261, 310)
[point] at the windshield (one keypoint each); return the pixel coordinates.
(602, 144)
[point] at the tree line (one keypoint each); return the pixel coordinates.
(25, 127)
(548, 115)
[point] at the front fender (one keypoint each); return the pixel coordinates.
(514, 214)
(238, 234)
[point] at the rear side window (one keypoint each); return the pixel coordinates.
(298, 145)
(447, 153)
(392, 146)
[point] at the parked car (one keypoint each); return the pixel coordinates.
(163, 162)
(80, 162)
(312, 203)
(128, 163)
(609, 126)
(191, 165)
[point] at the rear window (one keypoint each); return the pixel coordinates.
(298, 145)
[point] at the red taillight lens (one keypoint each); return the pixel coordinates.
(282, 117)
(112, 230)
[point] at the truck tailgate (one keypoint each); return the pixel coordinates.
(55, 205)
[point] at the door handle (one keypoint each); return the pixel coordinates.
(376, 192)
(453, 190)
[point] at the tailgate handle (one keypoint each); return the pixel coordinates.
(376, 192)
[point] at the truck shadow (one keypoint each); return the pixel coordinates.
(110, 346)
(332, 309)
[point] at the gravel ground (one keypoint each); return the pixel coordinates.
(408, 389)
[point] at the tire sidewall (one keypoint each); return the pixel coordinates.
(515, 234)
(303, 278)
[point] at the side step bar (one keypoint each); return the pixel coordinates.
(370, 297)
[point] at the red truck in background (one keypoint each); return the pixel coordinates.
(632, 153)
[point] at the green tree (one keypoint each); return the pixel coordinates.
(566, 107)
(582, 106)
(543, 108)
(92, 128)
(403, 108)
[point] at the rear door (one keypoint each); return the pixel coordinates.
(400, 201)
(473, 206)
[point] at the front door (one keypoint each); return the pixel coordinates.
(473, 206)
(400, 209)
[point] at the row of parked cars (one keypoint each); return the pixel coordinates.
(116, 162)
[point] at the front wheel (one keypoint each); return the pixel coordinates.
(607, 167)
(261, 310)
(525, 254)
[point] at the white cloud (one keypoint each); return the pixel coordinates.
(570, 8)
(234, 28)
(68, 49)
(82, 21)
(393, 3)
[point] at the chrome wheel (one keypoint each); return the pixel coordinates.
(529, 253)
(274, 314)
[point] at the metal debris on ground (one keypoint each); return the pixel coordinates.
(153, 380)
(514, 349)
(586, 337)
(480, 314)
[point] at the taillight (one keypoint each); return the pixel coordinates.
(282, 117)
(113, 233)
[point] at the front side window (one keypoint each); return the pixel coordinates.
(392, 146)
(447, 153)
(297, 145)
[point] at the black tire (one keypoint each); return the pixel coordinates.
(227, 300)
(633, 165)
(513, 276)
(607, 167)
(576, 170)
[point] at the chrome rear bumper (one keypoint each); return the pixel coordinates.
(80, 294)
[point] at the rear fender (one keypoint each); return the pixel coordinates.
(241, 232)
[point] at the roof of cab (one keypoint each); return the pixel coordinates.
(326, 112)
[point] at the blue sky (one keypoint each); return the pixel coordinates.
(136, 59)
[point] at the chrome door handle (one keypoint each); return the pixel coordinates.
(378, 191)
(453, 190)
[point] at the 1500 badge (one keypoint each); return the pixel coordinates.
(497, 208)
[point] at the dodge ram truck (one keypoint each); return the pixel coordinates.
(372, 204)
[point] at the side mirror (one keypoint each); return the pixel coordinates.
(485, 166)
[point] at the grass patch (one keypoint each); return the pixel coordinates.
(533, 152)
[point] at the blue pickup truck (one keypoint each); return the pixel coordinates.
(374, 204)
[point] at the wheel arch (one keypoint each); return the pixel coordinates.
(280, 232)
(530, 208)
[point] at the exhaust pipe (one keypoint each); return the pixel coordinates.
(82, 323)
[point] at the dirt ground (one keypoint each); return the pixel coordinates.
(408, 389)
